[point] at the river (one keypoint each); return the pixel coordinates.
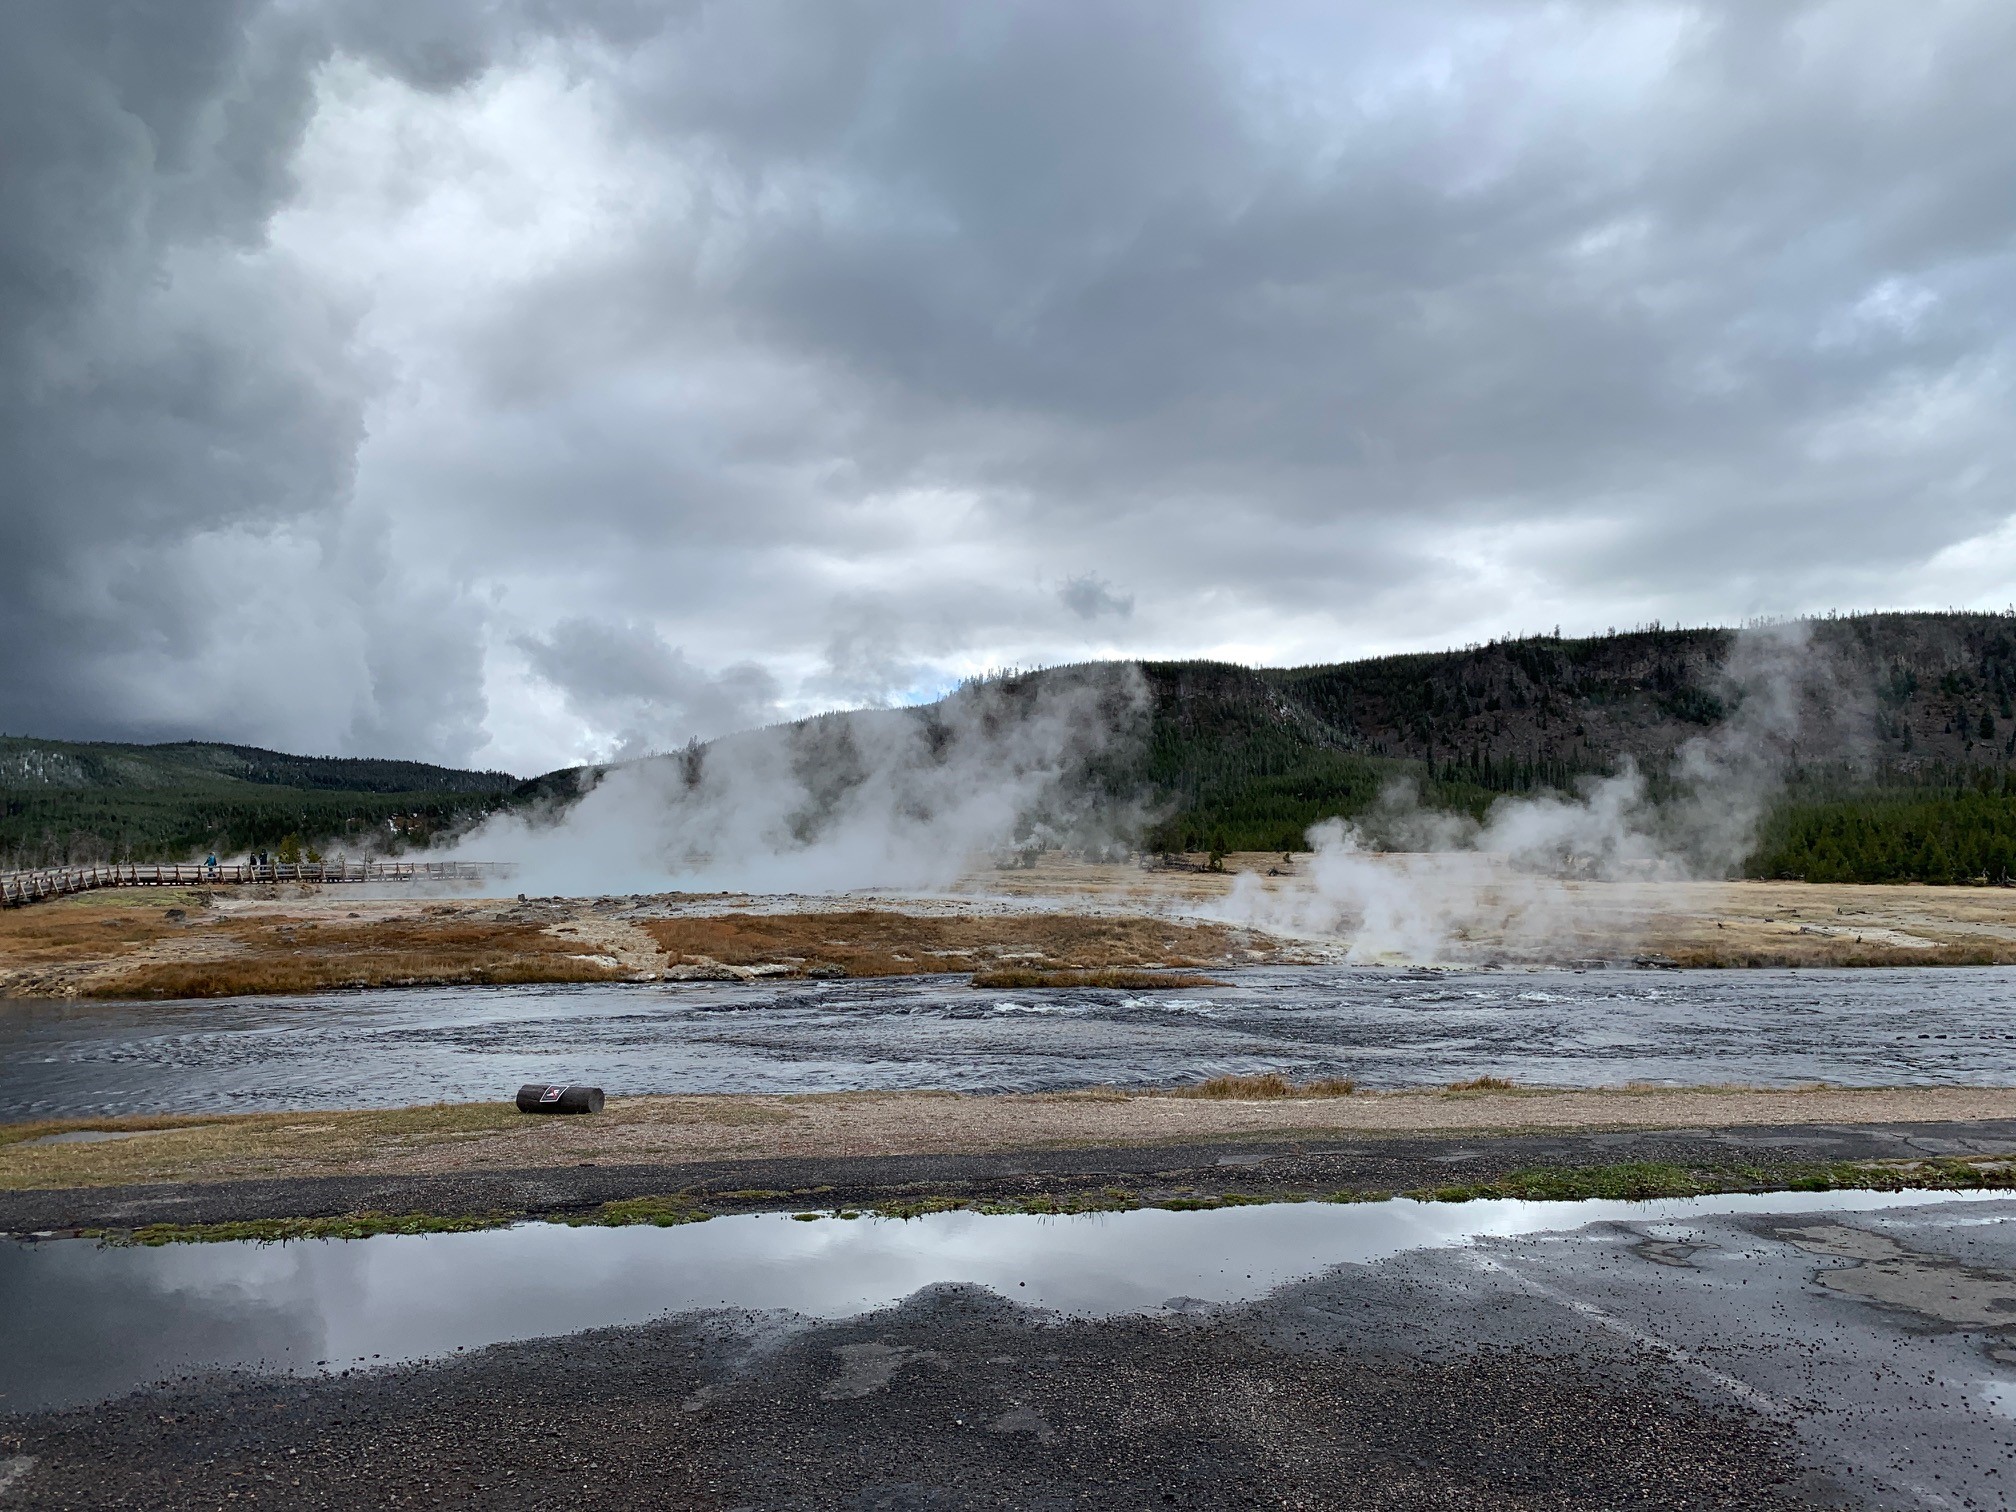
(1905, 1026)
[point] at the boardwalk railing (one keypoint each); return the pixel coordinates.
(20, 887)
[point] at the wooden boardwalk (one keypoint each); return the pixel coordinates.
(19, 887)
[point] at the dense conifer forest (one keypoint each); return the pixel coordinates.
(1904, 769)
(65, 802)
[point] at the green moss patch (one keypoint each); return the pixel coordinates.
(279, 1230)
(1634, 1181)
(662, 1212)
(1642, 1181)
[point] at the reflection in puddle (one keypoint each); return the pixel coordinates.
(83, 1322)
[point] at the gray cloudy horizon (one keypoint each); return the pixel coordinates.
(520, 383)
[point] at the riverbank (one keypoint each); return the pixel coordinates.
(668, 1136)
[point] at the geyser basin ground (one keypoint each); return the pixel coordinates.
(1757, 1351)
(1914, 1027)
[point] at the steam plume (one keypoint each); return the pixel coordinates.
(877, 798)
(1458, 887)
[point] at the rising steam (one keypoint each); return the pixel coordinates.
(879, 798)
(1410, 884)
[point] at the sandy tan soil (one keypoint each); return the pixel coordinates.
(669, 1130)
(1059, 914)
(1487, 914)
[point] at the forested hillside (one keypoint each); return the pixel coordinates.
(69, 802)
(1905, 771)
(1903, 768)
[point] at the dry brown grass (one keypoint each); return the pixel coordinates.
(120, 946)
(284, 955)
(1267, 1084)
(1482, 1084)
(1109, 976)
(881, 943)
(1824, 952)
(242, 1146)
(90, 926)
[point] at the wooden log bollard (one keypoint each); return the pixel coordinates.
(545, 1097)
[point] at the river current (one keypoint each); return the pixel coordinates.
(1910, 1026)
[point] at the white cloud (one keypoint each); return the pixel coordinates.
(582, 384)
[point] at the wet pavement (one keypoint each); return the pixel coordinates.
(1762, 1351)
(1899, 1026)
(73, 1331)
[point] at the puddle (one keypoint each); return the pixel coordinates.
(1937, 1288)
(85, 1322)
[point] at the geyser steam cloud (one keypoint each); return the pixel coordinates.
(1420, 886)
(880, 798)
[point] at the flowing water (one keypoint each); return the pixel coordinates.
(1918, 1026)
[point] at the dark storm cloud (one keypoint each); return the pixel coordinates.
(624, 678)
(1090, 596)
(823, 342)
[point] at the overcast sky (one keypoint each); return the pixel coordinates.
(520, 382)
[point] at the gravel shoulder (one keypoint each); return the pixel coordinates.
(955, 1400)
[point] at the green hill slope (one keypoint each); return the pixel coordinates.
(1916, 780)
(67, 802)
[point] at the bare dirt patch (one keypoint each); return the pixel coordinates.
(1520, 919)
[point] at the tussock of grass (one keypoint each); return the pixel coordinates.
(1643, 1181)
(1040, 1205)
(1267, 1084)
(1634, 1181)
(1482, 1084)
(1207, 1202)
(280, 1230)
(662, 1212)
(1105, 976)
